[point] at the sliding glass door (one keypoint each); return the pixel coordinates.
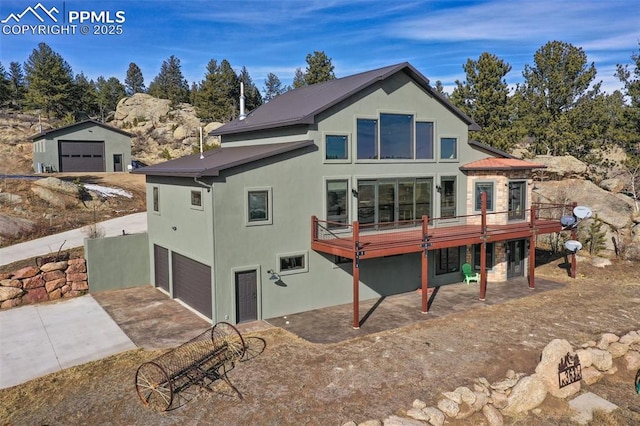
(391, 200)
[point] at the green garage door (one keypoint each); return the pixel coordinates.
(192, 283)
(81, 156)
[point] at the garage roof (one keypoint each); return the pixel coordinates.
(79, 123)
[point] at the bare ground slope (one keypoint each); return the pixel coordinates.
(296, 382)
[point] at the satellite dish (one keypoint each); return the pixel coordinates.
(567, 220)
(582, 212)
(573, 245)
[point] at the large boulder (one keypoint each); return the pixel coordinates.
(12, 227)
(560, 167)
(558, 352)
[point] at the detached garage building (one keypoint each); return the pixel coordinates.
(86, 146)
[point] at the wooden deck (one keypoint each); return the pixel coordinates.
(398, 238)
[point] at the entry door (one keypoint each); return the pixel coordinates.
(117, 162)
(247, 296)
(515, 258)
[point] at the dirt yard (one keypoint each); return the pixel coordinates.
(294, 382)
(50, 220)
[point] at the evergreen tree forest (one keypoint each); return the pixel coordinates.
(558, 108)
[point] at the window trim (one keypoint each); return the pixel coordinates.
(441, 196)
(269, 220)
(155, 199)
(304, 254)
(196, 206)
(476, 200)
(336, 160)
(456, 156)
(325, 182)
(433, 140)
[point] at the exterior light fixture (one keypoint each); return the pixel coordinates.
(274, 276)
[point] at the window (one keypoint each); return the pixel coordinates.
(424, 140)
(337, 203)
(517, 200)
(447, 260)
(448, 148)
(448, 196)
(476, 256)
(367, 139)
(196, 199)
(156, 199)
(258, 206)
(481, 187)
(396, 136)
(292, 263)
(336, 147)
(392, 200)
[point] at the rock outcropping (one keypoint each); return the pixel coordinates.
(161, 130)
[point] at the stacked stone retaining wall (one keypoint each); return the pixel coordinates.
(51, 281)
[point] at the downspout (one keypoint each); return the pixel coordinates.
(195, 179)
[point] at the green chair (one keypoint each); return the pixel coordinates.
(469, 275)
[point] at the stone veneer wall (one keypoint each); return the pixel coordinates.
(51, 281)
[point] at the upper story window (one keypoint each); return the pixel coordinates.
(481, 187)
(448, 148)
(395, 137)
(336, 147)
(367, 134)
(156, 199)
(424, 140)
(258, 207)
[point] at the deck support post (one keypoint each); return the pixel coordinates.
(483, 247)
(425, 264)
(532, 249)
(356, 276)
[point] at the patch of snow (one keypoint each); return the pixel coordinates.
(106, 191)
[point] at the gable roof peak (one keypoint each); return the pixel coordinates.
(301, 106)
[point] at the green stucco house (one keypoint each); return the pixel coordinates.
(351, 189)
(86, 146)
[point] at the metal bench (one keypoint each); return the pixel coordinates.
(209, 355)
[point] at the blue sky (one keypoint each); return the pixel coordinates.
(437, 37)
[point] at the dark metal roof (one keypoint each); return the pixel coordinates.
(301, 105)
(219, 159)
(491, 149)
(79, 123)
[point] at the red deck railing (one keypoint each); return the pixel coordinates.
(390, 238)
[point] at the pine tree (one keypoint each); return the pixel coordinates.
(319, 68)
(484, 96)
(85, 98)
(109, 93)
(553, 86)
(253, 98)
(134, 83)
(272, 87)
(49, 82)
(298, 79)
(218, 93)
(169, 83)
(5, 86)
(631, 82)
(17, 83)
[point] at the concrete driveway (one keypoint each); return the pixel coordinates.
(40, 339)
(131, 224)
